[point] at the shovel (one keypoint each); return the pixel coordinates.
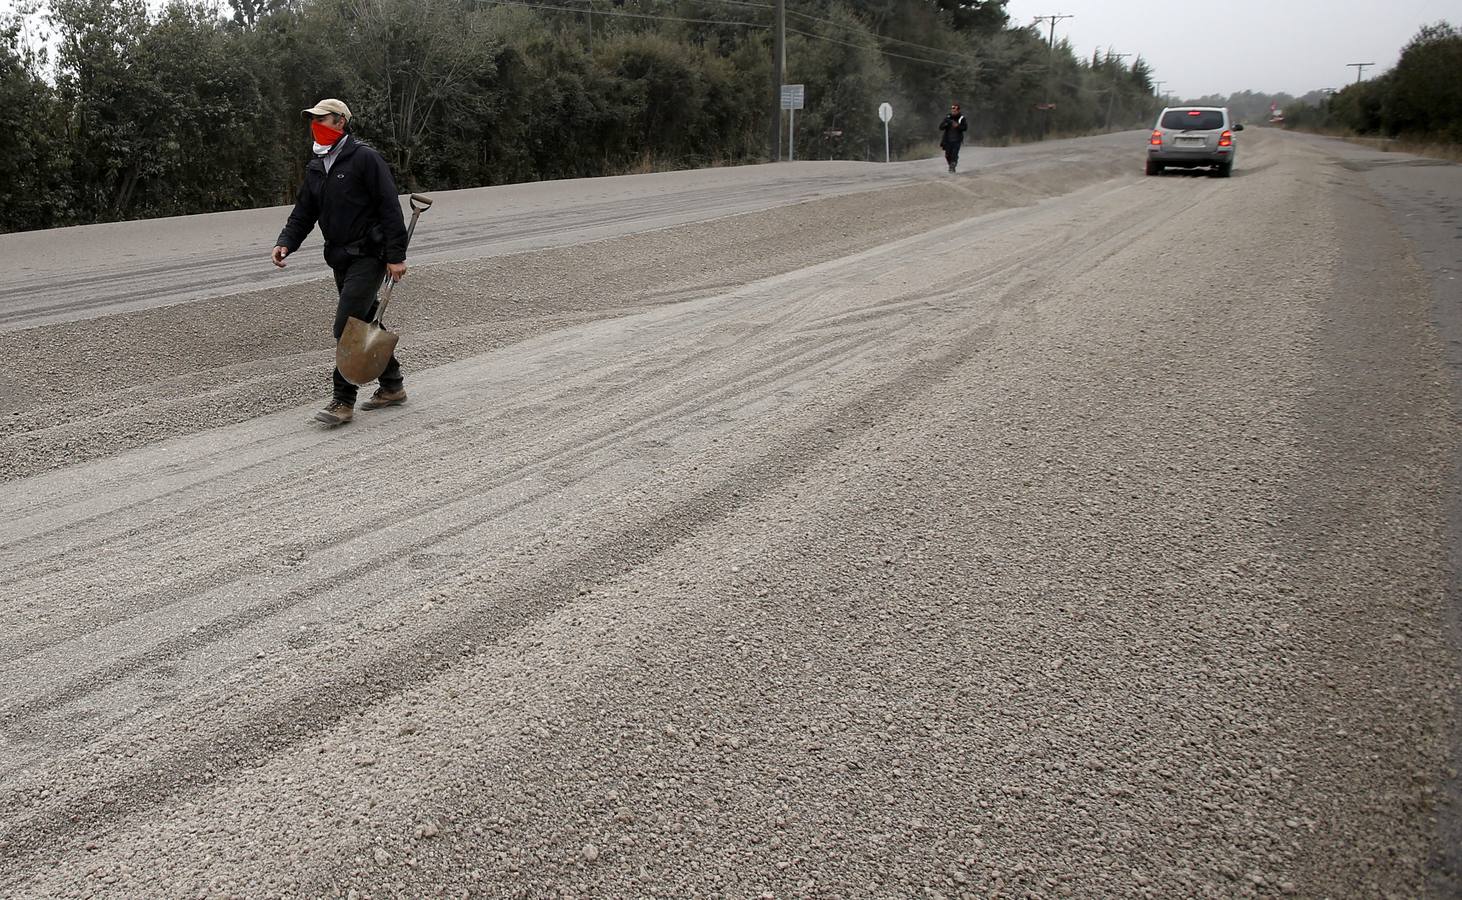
(365, 348)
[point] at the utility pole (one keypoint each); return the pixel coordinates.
(1050, 68)
(1157, 86)
(1051, 45)
(1113, 95)
(779, 74)
(1360, 69)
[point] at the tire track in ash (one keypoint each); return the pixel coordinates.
(147, 536)
(210, 273)
(203, 639)
(204, 636)
(62, 555)
(658, 532)
(126, 413)
(225, 512)
(276, 477)
(275, 729)
(222, 275)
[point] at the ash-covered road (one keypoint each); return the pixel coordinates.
(69, 274)
(1044, 531)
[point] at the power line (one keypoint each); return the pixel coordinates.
(820, 37)
(816, 37)
(737, 23)
(818, 19)
(882, 37)
(743, 3)
(626, 15)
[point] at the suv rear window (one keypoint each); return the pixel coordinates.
(1192, 119)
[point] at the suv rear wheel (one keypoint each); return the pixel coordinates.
(1154, 168)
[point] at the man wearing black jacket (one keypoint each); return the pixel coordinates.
(349, 191)
(954, 127)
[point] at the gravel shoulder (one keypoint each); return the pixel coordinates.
(1423, 198)
(1020, 535)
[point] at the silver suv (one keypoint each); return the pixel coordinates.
(1187, 137)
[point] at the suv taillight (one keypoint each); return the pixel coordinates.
(1226, 139)
(1156, 137)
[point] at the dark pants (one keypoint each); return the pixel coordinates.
(951, 154)
(358, 279)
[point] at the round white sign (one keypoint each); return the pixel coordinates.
(885, 112)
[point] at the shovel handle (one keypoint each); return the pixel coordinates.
(385, 298)
(386, 281)
(388, 284)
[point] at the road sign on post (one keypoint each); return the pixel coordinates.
(885, 112)
(792, 97)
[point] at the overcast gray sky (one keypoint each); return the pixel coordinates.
(1226, 46)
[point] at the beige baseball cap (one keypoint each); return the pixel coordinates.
(325, 107)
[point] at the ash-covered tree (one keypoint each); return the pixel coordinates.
(985, 17)
(247, 13)
(35, 190)
(1423, 93)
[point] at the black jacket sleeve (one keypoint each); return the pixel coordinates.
(388, 209)
(301, 219)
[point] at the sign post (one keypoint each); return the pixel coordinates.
(885, 112)
(792, 98)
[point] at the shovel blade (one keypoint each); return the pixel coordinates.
(364, 351)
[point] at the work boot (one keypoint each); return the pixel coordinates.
(337, 412)
(386, 397)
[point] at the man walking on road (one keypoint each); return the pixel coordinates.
(954, 127)
(349, 191)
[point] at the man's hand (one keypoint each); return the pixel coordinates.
(278, 256)
(397, 271)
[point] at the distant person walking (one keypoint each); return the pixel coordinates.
(348, 190)
(954, 127)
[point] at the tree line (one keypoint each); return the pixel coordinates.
(1419, 99)
(125, 113)
(1256, 106)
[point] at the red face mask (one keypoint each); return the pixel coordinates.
(325, 136)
